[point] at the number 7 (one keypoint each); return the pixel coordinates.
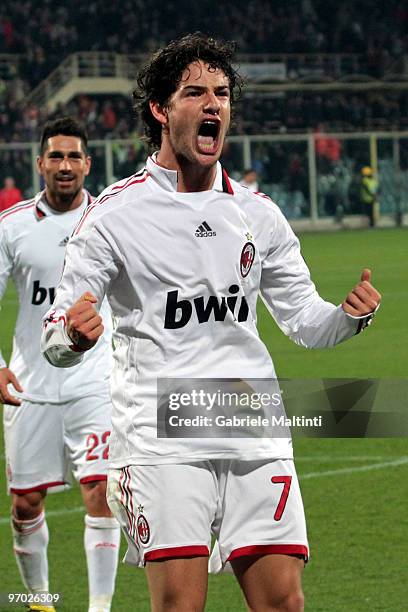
(287, 481)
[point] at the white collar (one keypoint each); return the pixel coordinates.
(42, 208)
(168, 178)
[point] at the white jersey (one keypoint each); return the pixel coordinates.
(32, 248)
(182, 272)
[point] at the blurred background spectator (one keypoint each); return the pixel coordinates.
(369, 38)
(312, 67)
(369, 195)
(250, 180)
(10, 194)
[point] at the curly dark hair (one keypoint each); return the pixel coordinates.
(159, 79)
(65, 126)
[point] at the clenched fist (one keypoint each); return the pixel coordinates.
(84, 324)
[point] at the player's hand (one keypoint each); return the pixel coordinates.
(363, 299)
(84, 324)
(8, 378)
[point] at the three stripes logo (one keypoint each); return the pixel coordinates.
(204, 231)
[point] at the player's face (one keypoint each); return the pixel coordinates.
(198, 115)
(64, 167)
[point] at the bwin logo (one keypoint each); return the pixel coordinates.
(178, 312)
(40, 294)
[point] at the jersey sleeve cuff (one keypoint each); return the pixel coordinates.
(361, 322)
(58, 348)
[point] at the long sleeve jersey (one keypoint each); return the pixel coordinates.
(32, 248)
(182, 273)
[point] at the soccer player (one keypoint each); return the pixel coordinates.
(54, 419)
(182, 253)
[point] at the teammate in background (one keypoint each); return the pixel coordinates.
(10, 194)
(184, 303)
(52, 417)
(368, 195)
(250, 180)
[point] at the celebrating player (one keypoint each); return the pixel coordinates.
(182, 253)
(54, 417)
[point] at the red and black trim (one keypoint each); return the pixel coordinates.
(14, 209)
(52, 319)
(178, 552)
(133, 180)
(127, 501)
(40, 214)
(226, 184)
(363, 323)
(263, 195)
(298, 550)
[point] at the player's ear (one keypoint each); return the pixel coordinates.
(39, 164)
(88, 163)
(159, 112)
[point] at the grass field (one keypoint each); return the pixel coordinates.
(355, 490)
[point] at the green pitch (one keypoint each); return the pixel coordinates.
(355, 491)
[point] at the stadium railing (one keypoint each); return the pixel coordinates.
(314, 178)
(113, 72)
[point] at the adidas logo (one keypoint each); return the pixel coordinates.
(204, 231)
(64, 241)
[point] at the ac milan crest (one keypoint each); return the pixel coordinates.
(247, 258)
(143, 529)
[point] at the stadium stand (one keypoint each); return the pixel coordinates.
(311, 68)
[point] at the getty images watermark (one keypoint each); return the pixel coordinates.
(225, 408)
(231, 408)
(221, 404)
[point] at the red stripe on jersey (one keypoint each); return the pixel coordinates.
(15, 210)
(226, 183)
(39, 213)
(137, 175)
(270, 549)
(262, 195)
(39, 487)
(95, 478)
(177, 552)
(106, 197)
(54, 320)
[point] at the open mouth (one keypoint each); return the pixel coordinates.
(207, 138)
(65, 179)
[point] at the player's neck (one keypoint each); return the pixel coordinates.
(191, 176)
(63, 203)
(195, 178)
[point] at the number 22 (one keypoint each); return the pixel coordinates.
(92, 442)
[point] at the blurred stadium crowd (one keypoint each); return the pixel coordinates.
(40, 34)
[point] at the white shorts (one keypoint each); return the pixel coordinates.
(45, 442)
(169, 511)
